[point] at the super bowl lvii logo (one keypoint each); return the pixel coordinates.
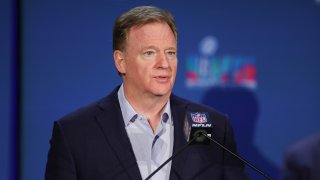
(205, 69)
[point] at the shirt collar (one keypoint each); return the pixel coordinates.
(129, 113)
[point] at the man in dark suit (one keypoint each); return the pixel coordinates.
(302, 159)
(132, 131)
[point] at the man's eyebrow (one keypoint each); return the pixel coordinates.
(150, 47)
(172, 48)
(156, 48)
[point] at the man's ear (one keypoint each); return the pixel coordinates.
(119, 61)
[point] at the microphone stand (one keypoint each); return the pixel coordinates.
(174, 155)
(198, 137)
(240, 158)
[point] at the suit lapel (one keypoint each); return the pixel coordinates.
(113, 127)
(178, 110)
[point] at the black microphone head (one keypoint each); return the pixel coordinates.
(195, 124)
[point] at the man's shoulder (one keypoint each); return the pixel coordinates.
(90, 111)
(304, 153)
(306, 146)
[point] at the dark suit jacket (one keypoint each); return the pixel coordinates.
(92, 144)
(302, 159)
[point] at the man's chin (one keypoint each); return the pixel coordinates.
(162, 94)
(159, 95)
(161, 91)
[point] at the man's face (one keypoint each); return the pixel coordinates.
(150, 60)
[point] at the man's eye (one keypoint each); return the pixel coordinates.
(149, 53)
(171, 53)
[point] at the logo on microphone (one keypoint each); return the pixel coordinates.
(199, 117)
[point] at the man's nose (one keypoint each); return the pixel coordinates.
(162, 61)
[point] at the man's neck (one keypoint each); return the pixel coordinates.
(149, 105)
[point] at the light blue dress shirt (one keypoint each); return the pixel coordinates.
(150, 149)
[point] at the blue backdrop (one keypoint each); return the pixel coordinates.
(256, 61)
(5, 87)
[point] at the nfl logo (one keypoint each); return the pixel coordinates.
(199, 117)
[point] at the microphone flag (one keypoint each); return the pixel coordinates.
(196, 122)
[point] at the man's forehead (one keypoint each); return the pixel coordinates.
(151, 31)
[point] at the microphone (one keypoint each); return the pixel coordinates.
(194, 124)
(198, 125)
(198, 130)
